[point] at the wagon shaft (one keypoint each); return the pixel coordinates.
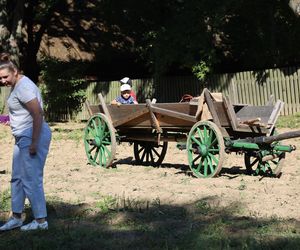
(274, 138)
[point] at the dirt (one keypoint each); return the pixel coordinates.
(68, 177)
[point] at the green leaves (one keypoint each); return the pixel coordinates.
(63, 87)
(201, 70)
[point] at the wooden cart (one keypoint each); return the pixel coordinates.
(207, 127)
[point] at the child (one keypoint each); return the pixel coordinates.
(127, 80)
(125, 97)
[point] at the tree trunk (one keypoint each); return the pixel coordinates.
(16, 38)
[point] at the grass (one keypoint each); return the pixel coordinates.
(123, 223)
(5, 200)
(67, 134)
(291, 121)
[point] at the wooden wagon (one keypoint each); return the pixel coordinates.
(207, 127)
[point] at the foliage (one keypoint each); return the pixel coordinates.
(200, 70)
(23, 24)
(166, 36)
(63, 88)
(230, 35)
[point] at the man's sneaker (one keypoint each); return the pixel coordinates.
(34, 225)
(11, 224)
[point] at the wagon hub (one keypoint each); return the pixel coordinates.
(203, 150)
(97, 141)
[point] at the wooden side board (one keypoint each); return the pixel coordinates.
(140, 115)
(167, 115)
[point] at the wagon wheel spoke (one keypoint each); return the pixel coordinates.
(105, 149)
(209, 138)
(198, 135)
(214, 158)
(94, 126)
(147, 156)
(151, 157)
(213, 150)
(92, 131)
(196, 158)
(104, 156)
(199, 165)
(155, 151)
(205, 135)
(91, 149)
(96, 154)
(254, 162)
(211, 166)
(215, 141)
(100, 157)
(143, 155)
(196, 140)
(141, 149)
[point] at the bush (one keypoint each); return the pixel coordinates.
(63, 88)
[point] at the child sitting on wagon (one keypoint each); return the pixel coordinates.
(125, 97)
(128, 81)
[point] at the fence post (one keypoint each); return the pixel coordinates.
(233, 96)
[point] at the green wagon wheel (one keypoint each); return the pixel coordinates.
(205, 149)
(255, 166)
(272, 167)
(150, 153)
(100, 141)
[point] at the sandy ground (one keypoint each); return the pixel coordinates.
(69, 178)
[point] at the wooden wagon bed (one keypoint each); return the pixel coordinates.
(182, 116)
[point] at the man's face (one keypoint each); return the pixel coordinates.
(125, 94)
(8, 77)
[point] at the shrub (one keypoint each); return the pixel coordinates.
(63, 88)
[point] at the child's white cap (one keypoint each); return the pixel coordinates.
(125, 87)
(125, 80)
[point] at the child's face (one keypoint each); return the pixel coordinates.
(125, 94)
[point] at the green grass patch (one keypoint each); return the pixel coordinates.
(67, 134)
(5, 200)
(290, 121)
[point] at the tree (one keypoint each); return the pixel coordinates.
(23, 23)
(165, 37)
(11, 24)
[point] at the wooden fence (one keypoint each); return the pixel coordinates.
(251, 87)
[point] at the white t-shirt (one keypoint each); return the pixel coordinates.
(24, 91)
